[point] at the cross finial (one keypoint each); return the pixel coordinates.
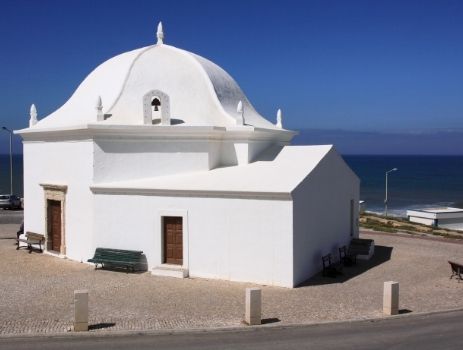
(160, 34)
(279, 123)
(33, 115)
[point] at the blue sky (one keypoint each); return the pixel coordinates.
(352, 66)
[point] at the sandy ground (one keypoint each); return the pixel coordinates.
(36, 291)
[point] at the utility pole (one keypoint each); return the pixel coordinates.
(11, 157)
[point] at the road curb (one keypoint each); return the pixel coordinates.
(120, 333)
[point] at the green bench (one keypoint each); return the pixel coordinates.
(117, 258)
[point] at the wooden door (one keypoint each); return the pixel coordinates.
(173, 240)
(54, 225)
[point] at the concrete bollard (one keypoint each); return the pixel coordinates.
(253, 313)
(80, 310)
(391, 298)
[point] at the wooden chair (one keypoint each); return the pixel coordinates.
(330, 269)
(347, 258)
(457, 270)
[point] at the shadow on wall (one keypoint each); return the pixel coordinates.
(143, 264)
(382, 255)
(269, 154)
(173, 121)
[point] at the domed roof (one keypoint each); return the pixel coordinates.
(200, 93)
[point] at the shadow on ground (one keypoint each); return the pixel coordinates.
(270, 320)
(382, 254)
(404, 311)
(121, 269)
(103, 325)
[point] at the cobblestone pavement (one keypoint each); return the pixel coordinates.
(36, 291)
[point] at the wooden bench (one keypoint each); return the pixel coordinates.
(113, 258)
(361, 248)
(330, 268)
(457, 270)
(30, 239)
(361, 244)
(347, 258)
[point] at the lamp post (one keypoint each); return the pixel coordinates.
(11, 158)
(385, 199)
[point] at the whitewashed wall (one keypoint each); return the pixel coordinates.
(235, 239)
(117, 160)
(322, 214)
(424, 221)
(231, 239)
(451, 224)
(60, 163)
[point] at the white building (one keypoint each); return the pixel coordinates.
(174, 160)
(445, 217)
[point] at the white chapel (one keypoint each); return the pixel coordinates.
(160, 139)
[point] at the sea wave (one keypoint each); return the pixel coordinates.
(402, 212)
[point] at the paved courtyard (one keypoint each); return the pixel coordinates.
(36, 291)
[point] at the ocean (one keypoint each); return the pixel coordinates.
(420, 181)
(17, 174)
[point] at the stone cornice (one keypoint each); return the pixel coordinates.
(191, 193)
(54, 187)
(178, 133)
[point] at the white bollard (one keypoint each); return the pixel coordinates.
(80, 310)
(253, 314)
(391, 298)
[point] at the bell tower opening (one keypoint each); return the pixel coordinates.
(156, 104)
(156, 110)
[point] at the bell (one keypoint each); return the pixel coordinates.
(156, 103)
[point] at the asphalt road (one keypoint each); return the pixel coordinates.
(11, 216)
(437, 331)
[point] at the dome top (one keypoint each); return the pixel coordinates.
(157, 84)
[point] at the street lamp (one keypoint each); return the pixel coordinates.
(11, 158)
(385, 199)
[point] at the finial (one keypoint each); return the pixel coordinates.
(160, 34)
(99, 109)
(239, 108)
(279, 123)
(33, 115)
(240, 111)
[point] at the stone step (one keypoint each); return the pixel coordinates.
(170, 271)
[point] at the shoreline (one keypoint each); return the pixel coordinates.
(393, 224)
(401, 211)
